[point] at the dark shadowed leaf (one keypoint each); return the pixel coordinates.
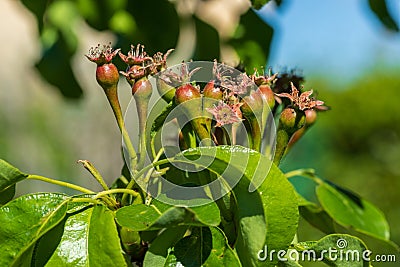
(315, 215)
(55, 68)
(207, 41)
(7, 194)
(204, 247)
(46, 245)
(257, 4)
(162, 245)
(157, 24)
(379, 8)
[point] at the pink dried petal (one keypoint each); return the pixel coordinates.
(224, 114)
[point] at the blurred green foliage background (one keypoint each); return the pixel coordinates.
(52, 112)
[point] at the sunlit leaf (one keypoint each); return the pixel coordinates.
(337, 250)
(259, 211)
(90, 238)
(9, 175)
(24, 220)
(160, 247)
(349, 210)
(142, 217)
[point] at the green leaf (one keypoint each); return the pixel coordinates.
(349, 210)
(315, 215)
(337, 250)
(46, 245)
(142, 217)
(162, 115)
(207, 41)
(260, 211)
(206, 246)
(7, 194)
(379, 8)
(252, 40)
(281, 209)
(318, 218)
(90, 238)
(24, 220)
(9, 175)
(257, 4)
(160, 247)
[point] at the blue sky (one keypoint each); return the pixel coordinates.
(339, 37)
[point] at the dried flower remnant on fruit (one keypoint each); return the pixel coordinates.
(239, 85)
(141, 64)
(264, 79)
(225, 114)
(174, 79)
(136, 56)
(160, 60)
(302, 101)
(102, 55)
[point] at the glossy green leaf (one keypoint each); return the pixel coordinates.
(46, 245)
(161, 246)
(206, 246)
(24, 220)
(349, 210)
(142, 217)
(252, 40)
(257, 4)
(279, 202)
(337, 250)
(281, 209)
(207, 41)
(9, 175)
(271, 211)
(90, 238)
(379, 8)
